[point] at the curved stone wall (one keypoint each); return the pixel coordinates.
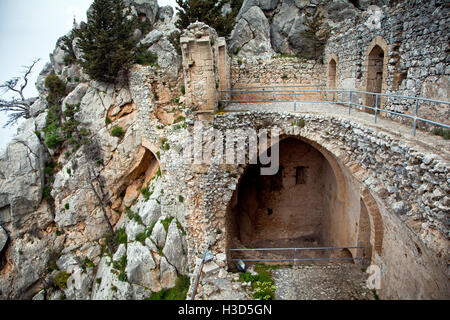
(390, 176)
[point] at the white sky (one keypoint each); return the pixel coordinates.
(29, 30)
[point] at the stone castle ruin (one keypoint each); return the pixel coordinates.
(343, 180)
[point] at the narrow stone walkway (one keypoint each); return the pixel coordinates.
(430, 142)
(322, 282)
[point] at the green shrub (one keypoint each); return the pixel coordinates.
(61, 280)
(121, 236)
(299, 123)
(117, 132)
(56, 88)
(442, 132)
(141, 237)
(209, 12)
(107, 121)
(183, 89)
(179, 119)
(180, 198)
(166, 222)
(121, 264)
(53, 141)
(66, 206)
(87, 263)
(146, 58)
(47, 193)
(262, 282)
(123, 276)
(176, 293)
(264, 290)
(146, 193)
(149, 230)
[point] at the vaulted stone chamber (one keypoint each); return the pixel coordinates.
(311, 202)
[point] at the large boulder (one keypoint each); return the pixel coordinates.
(175, 248)
(21, 175)
(40, 82)
(141, 267)
(3, 238)
(147, 8)
(251, 35)
(254, 35)
(158, 42)
(286, 22)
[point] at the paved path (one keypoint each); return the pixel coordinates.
(339, 281)
(430, 142)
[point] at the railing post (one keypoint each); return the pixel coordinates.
(318, 94)
(350, 102)
(416, 111)
(295, 101)
(295, 256)
(376, 107)
(362, 256)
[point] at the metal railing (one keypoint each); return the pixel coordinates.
(295, 259)
(336, 93)
(206, 257)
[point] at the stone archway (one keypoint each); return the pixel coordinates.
(332, 77)
(376, 71)
(311, 201)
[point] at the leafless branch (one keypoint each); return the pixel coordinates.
(17, 107)
(100, 197)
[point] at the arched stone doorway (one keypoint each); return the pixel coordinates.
(376, 71)
(310, 202)
(332, 73)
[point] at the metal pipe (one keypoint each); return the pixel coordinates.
(306, 248)
(300, 259)
(197, 278)
(416, 110)
(350, 103)
(376, 107)
(415, 118)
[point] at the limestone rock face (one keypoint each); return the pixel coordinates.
(140, 264)
(21, 168)
(251, 35)
(168, 274)
(75, 96)
(159, 234)
(149, 8)
(175, 248)
(38, 107)
(3, 238)
(40, 82)
(158, 42)
(264, 26)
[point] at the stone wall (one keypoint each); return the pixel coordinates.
(403, 187)
(413, 36)
(282, 71)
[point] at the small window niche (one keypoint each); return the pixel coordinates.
(300, 175)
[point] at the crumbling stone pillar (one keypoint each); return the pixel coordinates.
(202, 50)
(223, 69)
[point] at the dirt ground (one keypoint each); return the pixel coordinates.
(339, 281)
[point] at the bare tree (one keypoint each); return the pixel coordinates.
(18, 106)
(95, 181)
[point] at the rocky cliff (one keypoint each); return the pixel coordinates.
(54, 232)
(57, 207)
